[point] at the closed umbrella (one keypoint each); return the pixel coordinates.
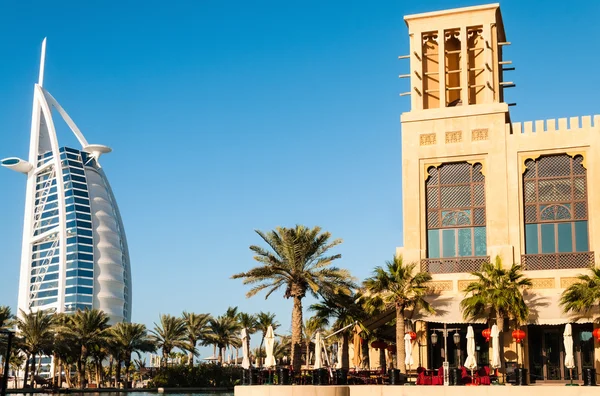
(496, 361)
(269, 344)
(357, 360)
(409, 361)
(318, 363)
(569, 358)
(471, 362)
(245, 352)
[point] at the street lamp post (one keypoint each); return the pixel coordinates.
(434, 339)
(4, 385)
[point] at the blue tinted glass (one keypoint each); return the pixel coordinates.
(69, 201)
(70, 208)
(449, 243)
(85, 282)
(548, 245)
(71, 240)
(83, 256)
(80, 193)
(82, 201)
(565, 238)
(71, 281)
(80, 186)
(47, 293)
(85, 290)
(71, 290)
(71, 298)
(83, 216)
(86, 248)
(71, 216)
(465, 240)
(68, 193)
(531, 238)
(71, 224)
(480, 241)
(78, 178)
(84, 232)
(433, 243)
(81, 208)
(51, 198)
(84, 299)
(84, 224)
(78, 171)
(581, 236)
(88, 241)
(74, 164)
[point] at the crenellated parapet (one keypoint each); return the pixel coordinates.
(570, 125)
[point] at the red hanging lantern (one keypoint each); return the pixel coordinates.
(392, 348)
(413, 335)
(596, 334)
(518, 335)
(486, 333)
(378, 344)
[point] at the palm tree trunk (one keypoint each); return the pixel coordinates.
(33, 367)
(98, 372)
(220, 358)
(28, 356)
(60, 370)
(365, 353)
(400, 352)
(237, 355)
(110, 368)
(81, 366)
(127, 367)
(346, 351)
(296, 334)
(500, 324)
(308, 353)
(54, 363)
(118, 373)
(382, 360)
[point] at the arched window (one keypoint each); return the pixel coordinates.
(456, 211)
(556, 209)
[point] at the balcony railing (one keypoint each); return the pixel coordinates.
(533, 262)
(453, 265)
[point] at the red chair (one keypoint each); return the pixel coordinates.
(483, 376)
(466, 378)
(439, 378)
(422, 379)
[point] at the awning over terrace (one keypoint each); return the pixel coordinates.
(544, 308)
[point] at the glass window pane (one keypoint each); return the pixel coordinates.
(465, 242)
(565, 238)
(581, 236)
(433, 243)
(449, 243)
(548, 245)
(480, 241)
(531, 239)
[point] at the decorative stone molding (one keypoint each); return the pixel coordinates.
(524, 159)
(479, 134)
(479, 161)
(566, 282)
(453, 137)
(543, 283)
(439, 286)
(462, 284)
(427, 139)
(426, 170)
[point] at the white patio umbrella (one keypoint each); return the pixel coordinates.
(338, 363)
(409, 361)
(269, 344)
(496, 360)
(569, 357)
(471, 362)
(318, 363)
(245, 352)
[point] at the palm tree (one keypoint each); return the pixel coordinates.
(248, 322)
(223, 332)
(311, 326)
(497, 292)
(196, 329)
(344, 310)
(168, 335)
(296, 260)
(400, 286)
(65, 353)
(583, 296)
(36, 333)
(131, 338)
(263, 321)
(6, 317)
(85, 328)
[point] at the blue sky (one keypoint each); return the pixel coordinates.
(226, 117)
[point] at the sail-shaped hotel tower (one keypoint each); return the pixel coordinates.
(75, 252)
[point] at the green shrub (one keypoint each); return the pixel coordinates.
(204, 375)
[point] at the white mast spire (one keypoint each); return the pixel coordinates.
(42, 62)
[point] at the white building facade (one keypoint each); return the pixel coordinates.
(74, 253)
